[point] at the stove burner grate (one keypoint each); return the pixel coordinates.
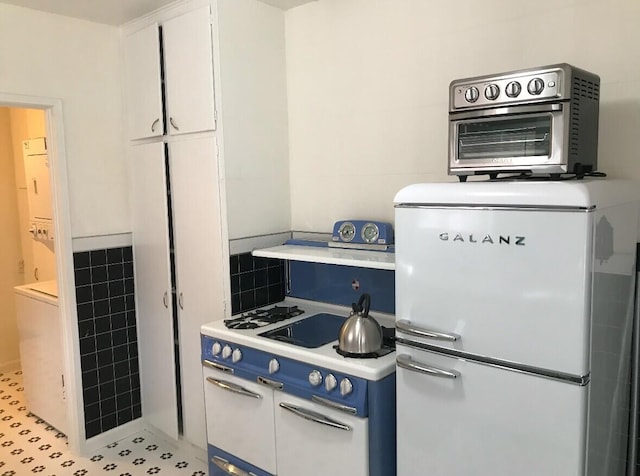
(263, 317)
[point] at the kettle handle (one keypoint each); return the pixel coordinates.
(363, 304)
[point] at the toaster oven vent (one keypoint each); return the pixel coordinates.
(584, 88)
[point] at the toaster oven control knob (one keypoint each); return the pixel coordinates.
(535, 86)
(274, 366)
(513, 89)
(330, 382)
(216, 348)
(492, 92)
(226, 352)
(472, 94)
(345, 387)
(315, 378)
(236, 356)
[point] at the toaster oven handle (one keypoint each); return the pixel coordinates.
(506, 111)
(406, 327)
(229, 468)
(232, 387)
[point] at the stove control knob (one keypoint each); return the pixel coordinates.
(345, 387)
(471, 94)
(226, 352)
(274, 366)
(315, 378)
(535, 86)
(236, 356)
(513, 89)
(216, 348)
(330, 382)
(492, 92)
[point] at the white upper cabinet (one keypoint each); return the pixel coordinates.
(144, 83)
(188, 63)
(182, 48)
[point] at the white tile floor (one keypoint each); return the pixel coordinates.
(29, 446)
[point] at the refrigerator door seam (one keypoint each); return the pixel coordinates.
(497, 363)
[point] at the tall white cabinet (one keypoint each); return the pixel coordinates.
(205, 93)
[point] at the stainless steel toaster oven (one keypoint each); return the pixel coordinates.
(539, 121)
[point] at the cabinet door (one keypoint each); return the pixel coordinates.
(153, 288)
(198, 251)
(143, 83)
(188, 61)
(38, 186)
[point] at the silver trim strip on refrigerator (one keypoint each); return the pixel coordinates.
(234, 388)
(489, 206)
(406, 327)
(229, 468)
(217, 366)
(314, 417)
(406, 362)
(336, 406)
(501, 364)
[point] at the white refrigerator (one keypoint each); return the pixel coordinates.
(514, 314)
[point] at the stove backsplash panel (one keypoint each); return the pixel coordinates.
(342, 285)
(255, 282)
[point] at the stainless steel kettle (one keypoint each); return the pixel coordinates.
(360, 333)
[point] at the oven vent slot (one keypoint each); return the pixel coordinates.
(585, 88)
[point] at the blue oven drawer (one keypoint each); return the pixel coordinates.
(219, 458)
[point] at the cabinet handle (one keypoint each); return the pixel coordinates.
(155, 123)
(35, 186)
(173, 123)
(165, 300)
(229, 468)
(315, 417)
(180, 301)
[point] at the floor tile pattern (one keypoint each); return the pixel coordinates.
(28, 445)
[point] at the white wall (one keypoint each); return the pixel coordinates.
(368, 88)
(252, 83)
(78, 61)
(10, 251)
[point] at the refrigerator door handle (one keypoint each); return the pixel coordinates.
(406, 327)
(406, 362)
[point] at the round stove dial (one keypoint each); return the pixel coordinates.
(535, 86)
(472, 94)
(236, 356)
(226, 352)
(513, 89)
(216, 348)
(315, 378)
(274, 366)
(492, 92)
(330, 382)
(370, 233)
(347, 231)
(346, 387)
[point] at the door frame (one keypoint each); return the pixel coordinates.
(52, 108)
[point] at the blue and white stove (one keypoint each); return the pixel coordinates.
(281, 400)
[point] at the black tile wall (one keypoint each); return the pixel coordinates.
(108, 338)
(255, 282)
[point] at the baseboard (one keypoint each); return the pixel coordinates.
(11, 366)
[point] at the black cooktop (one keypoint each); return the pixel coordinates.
(312, 332)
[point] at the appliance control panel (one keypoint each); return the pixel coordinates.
(362, 232)
(506, 90)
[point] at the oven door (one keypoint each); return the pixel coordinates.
(240, 418)
(522, 138)
(314, 440)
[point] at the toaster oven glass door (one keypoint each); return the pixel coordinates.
(516, 136)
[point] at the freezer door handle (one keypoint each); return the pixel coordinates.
(407, 328)
(406, 362)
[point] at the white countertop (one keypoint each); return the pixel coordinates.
(46, 291)
(324, 356)
(328, 255)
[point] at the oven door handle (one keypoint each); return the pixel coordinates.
(314, 416)
(232, 387)
(229, 468)
(406, 327)
(406, 362)
(506, 111)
